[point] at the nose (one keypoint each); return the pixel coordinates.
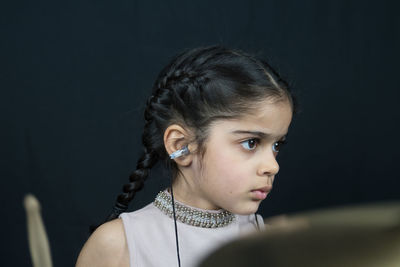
(268, 165)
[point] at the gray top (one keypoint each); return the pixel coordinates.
(151, 237)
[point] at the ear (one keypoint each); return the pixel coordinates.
(176, 137)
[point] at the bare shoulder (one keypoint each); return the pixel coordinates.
(107, 246)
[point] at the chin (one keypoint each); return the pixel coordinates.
(248, 209)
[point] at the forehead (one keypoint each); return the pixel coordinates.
(269, 117)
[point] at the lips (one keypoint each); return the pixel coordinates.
(261, 193)
(265, 189)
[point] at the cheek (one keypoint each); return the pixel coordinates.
(224, 168)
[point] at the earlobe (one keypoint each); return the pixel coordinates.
(176, 140)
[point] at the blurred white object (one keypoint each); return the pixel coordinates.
(37, 237)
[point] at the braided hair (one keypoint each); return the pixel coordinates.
(196, 88)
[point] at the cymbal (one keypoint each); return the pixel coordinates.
(364, 235)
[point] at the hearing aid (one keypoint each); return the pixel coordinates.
(181, 152)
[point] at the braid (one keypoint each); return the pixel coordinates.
(148, 159)
(185, 68)
(157, 107)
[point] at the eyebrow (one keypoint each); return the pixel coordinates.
(261, 135)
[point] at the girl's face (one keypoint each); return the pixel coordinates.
(239, 164)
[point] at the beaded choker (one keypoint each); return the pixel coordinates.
(193, 216)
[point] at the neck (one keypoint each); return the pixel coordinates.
(187, 192)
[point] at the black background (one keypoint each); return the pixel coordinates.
(75, 76)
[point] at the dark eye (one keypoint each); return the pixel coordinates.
(276, 147)
(250, 144)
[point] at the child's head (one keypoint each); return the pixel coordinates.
(237, 166)
(197, 90)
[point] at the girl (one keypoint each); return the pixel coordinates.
(218, 117)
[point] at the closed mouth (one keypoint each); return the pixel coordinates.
(264, 189)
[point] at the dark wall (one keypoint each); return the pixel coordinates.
(75, 77)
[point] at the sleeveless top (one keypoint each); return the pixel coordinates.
(150, 235)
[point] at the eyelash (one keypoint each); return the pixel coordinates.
(257, 142)
(280, 143)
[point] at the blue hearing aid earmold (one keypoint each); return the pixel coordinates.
(181, 152)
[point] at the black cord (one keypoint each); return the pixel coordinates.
(176, 227)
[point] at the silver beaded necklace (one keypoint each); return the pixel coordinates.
(192, 216)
